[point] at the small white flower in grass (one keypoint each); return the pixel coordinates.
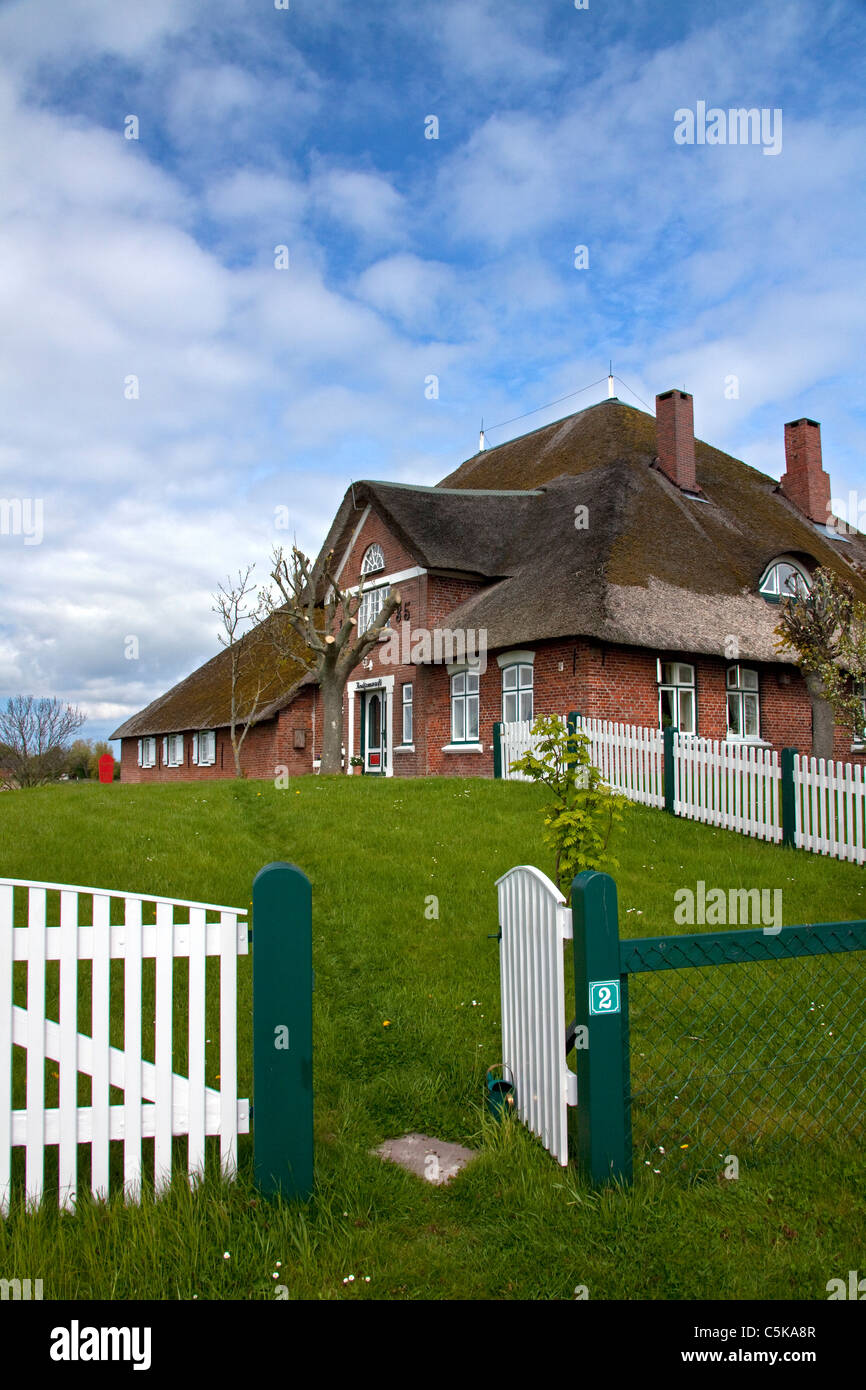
(366, 1278)
(226, 1255)
(656, 1170)
(275, 1275)
(279, 1264)
(351, 1278)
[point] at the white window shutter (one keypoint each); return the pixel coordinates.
(195, 739)
(165, 749)
(139, 753)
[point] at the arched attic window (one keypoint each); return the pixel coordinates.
(784, 578)
(374, 560)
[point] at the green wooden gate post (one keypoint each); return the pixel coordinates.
(497, 750)
(601, 1043)
(283, 1031)
(789, 803)
(669, 770)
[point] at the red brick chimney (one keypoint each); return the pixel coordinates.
(804, 482)
(675, 438)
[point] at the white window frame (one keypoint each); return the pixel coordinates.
(675, 685)
(374, 559)
(769, 587)
(204, 742)
(523, 675)
(859, 743)
(147, 752)
(371, 605)
(408, 708)
(463, 698)
(742, 690)
(170, 745)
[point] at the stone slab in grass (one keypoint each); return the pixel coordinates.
(433, 1159)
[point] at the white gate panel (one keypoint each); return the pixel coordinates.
(535, 924)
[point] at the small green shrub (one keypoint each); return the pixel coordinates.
(584, 810)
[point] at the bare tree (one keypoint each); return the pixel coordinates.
(826, 629)
(248, 681)
(35, 736)
(325, 617)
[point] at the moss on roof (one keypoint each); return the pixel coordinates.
(203, 699)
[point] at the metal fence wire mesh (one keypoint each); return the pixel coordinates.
(749, 1058)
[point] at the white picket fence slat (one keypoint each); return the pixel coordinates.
(732, 785)
(629, 758)
(535, 924)
(157, 1102)
(830, 808)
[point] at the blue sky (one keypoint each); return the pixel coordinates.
(409, 258)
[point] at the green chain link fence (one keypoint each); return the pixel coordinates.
(737, 1044)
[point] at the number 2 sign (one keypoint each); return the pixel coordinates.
(604, 997)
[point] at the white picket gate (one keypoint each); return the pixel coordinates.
(157, 1102)
(830, 808)
(733, 785)
(535, 924)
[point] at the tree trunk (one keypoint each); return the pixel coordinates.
(236, 750)
(332, 721)
(823, 722)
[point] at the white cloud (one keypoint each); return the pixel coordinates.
(364, 202)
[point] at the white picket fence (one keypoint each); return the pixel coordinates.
(535, 924)
(629, 758)
(516, 740)
(732, 785)
(158, 1103)
(736, 786)
(830, 808)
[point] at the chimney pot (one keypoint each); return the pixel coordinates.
(675, 435)
(804, 481)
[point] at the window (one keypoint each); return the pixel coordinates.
(172, 750)
(677, 696)
(464, 707)
(204, 747)
(407, 714)
(374, 560)
(744, 715)
(784, 579)
(860, 739)
(147, 752)
(371, 606)
(517, 684)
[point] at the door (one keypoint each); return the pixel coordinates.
(374, 730)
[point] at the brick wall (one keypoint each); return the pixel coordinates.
(266, 747)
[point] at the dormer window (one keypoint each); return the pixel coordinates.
(374, 560)
(784, 579)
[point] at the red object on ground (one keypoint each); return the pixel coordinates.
(106, 768)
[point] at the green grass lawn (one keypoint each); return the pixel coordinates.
(513, 1224)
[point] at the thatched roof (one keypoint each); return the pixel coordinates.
(203, 700)
(654, 567)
